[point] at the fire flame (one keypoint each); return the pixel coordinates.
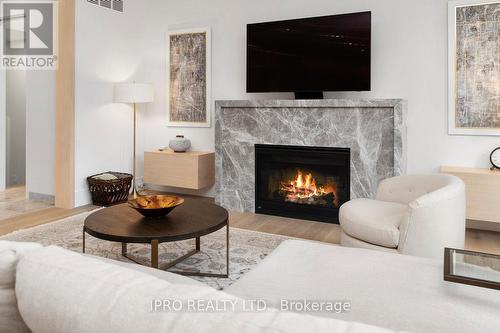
(304, 187)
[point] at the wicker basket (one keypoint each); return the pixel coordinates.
(110, 192)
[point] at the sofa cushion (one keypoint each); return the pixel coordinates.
(373, 221)
(10, 253)
(386, 289)
(60, 291)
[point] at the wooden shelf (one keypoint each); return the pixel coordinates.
(475, 171)
(191, 170)
(482, 190)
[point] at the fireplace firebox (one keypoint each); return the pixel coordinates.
(308, 183)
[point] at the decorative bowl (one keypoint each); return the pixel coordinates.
(155, 205)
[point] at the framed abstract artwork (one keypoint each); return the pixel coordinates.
(474, 67)
(189, 78)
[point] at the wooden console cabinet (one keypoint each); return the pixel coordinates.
(191, 170)
(483, 195)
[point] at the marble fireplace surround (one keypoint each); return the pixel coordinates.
(374, 130)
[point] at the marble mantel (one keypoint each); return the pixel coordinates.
(374, 130)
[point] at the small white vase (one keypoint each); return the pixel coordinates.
(180, 144)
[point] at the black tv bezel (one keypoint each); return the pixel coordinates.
(326, 89)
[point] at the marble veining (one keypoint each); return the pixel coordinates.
(374, 130)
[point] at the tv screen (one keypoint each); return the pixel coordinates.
(328, 53)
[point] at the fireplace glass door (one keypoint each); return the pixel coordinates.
(302, 182)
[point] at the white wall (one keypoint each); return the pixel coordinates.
(3, 134)
(409, 61)
(15, 102)
(40, 135)
(107, 51)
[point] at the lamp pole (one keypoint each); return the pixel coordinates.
(134, 93)
(134, 192)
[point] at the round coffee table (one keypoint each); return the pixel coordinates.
(193, 219)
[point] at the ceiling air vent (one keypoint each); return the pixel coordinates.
(111, 4)
(105, 3)
(118, 5)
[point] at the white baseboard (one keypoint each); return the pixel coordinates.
(47, 198)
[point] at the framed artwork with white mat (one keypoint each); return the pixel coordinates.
(189, 78)
(474, 67)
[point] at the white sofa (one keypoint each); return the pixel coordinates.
(417, 215)
(61, 291)
(52, 290)
(390, 290)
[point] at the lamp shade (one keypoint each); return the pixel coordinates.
(133, 93)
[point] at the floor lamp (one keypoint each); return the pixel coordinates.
(134, 93)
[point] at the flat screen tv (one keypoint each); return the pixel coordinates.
(327, 53)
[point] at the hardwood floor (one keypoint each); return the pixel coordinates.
(40, 217)
(13, 202)
(483, 241)
(323, 232)
(17, 212)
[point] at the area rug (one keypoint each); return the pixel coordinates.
(247, 248)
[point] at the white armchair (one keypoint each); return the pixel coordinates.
(417, 215)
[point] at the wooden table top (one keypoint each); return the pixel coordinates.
(123, 224)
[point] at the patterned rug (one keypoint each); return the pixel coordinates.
(247, 248)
